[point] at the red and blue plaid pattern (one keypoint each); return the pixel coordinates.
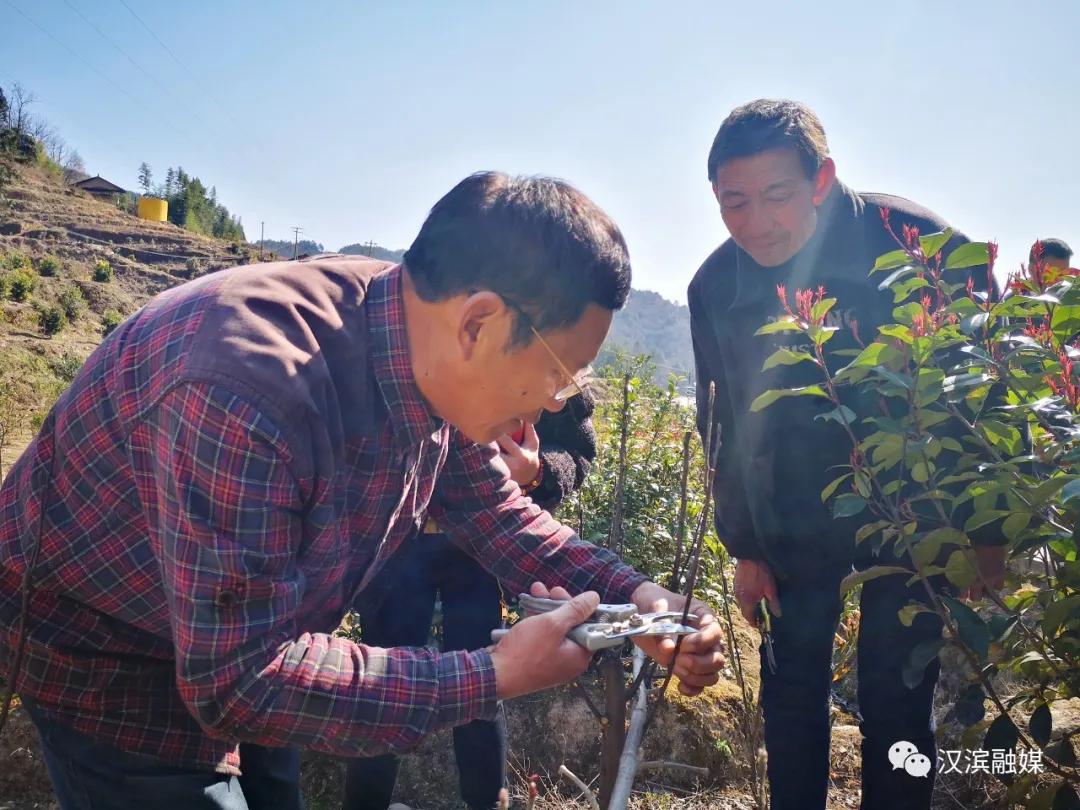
(191, 571)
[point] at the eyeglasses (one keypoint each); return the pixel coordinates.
(577, 381)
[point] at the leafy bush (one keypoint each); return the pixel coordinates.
(103, 271)
(110, 320)
(72, 303)
(51, 320)
(5, 285)
(974, 425)
(657, 420)
(48, 266)
(15, 261)
(66, 366)
(21, 285)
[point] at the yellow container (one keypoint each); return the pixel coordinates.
(153, 209)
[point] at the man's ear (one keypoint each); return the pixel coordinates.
(824, 181)
(478, 322)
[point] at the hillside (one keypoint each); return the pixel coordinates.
(650, 324)
(53, 236)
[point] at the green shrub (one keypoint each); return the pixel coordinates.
(110, 320)
(5, 286)
(66, 367)
(17, 261)
(51, 319)
(49, 266)
(21, 285)
(193, 268)
(103, 271)
(72, 302)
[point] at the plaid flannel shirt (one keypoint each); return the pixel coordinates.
(228, 470)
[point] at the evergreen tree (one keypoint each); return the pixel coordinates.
(146, 177)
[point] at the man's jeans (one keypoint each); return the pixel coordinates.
(89, 775)
(795, 700)
(471, 609)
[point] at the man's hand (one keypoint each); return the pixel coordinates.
(522, 459)
(536, 654)
(990, 561)
(701, 654)
(754, 580)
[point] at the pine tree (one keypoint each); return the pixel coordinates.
(146, 177)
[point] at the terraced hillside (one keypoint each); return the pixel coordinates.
(53, 237)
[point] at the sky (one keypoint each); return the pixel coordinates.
(350, 119)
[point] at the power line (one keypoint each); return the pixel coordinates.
(131, 59)
(296, 229)
(187, 71)
(75, 53)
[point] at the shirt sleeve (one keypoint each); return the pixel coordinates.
(734, 525)
(484, 513)
(229, 523)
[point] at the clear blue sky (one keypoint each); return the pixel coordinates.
(350, 119)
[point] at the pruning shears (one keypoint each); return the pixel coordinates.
(764, 623)
(610, 625)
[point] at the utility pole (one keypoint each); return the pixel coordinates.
(262, 239)
(296, 239)
(370, 246)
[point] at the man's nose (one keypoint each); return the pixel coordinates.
(554, 405)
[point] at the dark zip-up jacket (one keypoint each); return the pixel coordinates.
(773, 464)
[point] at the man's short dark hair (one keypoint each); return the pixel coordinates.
(1052, 249)
(541, 244)
(770, 124)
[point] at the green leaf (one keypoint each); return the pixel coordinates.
(973, 323)
(970, 255)
(971, 707)
(973, 630)
(959, 570)
(831, 488)
(1041, 724)
(908, 612)
(1002, 436)
(1062, 752)
(784, 324)
(1002, 734)
(1014, 524)
(898, 331)
(767, 398)
(1065, 322)
(869, 530)
(891, 260)
(929, 547)
(982, 518)
(1059, 612)
(787, 357)
(915, 668)
(847, 505)
(1070, 490)
(920, 472)
(821, 308)
(905, 288)
(821, 334)
(933, 242)
(859, 577)
(842, 416)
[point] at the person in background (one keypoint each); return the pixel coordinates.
(1053, 253)
(548, 461)
(794, 226)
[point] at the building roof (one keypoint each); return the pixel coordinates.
(98, 185)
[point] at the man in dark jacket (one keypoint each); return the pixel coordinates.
(793, 223)
(548, 462)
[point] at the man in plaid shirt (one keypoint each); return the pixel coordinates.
(235, 463)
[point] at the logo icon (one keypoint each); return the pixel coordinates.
(905, 755)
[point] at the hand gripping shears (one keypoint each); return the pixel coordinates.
(609, 625)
